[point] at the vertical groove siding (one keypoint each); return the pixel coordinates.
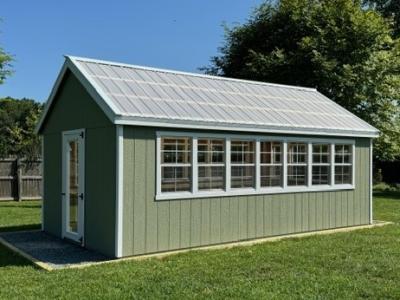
(73, 108)
(153, 226)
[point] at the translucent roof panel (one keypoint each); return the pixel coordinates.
(140, 93)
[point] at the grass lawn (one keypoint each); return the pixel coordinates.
(361, 264)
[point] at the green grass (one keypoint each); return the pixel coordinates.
(360, 264)
(19, 215)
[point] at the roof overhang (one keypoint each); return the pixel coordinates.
(199, 125)
(90, 87)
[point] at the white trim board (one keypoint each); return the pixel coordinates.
(119, 189)
(370, 182)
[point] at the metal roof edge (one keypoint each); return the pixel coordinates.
(153, 122)
(95, 92)
(349, 112)
(112, 63)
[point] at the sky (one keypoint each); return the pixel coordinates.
(174, 34)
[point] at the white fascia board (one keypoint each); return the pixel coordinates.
(119, 190)
(153, 122)
(91, 87)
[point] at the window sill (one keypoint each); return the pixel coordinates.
(249, 192)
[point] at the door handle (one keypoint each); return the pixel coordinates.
(62, 194)
(81, 196)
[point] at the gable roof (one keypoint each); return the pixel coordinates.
(135, 95)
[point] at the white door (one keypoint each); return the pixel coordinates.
(73, 189)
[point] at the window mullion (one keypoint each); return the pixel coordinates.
(194, 166)
(227, 164)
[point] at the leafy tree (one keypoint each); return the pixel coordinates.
(18, 119)
(344, 50)
(389, 9)
(5, 65)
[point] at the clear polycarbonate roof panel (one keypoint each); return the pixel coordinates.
(139, 92)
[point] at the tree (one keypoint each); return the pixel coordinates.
(344, 50)
(5, 65)
(18, 119)
(389, 9)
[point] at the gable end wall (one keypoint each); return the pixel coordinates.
(73, 108)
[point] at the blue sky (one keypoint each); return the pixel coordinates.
(173, 34)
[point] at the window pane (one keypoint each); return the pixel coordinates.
(343, 174)
(321, 153)
(242, 152)
(175, 179)
(297, 175)
(270, 152)
(210, 151)
(297, 153)
(175, 150)
(271, 176)
(320, 175)
(343, 154)
(242, 176)
(211, 178)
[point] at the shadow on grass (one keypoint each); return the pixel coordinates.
(9, 258)
(18, 205)
(388, 194)
(20, 227)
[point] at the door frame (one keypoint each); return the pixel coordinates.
(66, 136)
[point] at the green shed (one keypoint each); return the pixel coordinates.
(140, 160)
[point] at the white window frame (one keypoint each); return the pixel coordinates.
(253, 164)
(221, 164)
(270, 164)
(341, 164)
(319, 164)
(257, 190)
(191, 165)
(297, 164)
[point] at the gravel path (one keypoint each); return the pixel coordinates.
(57, 253)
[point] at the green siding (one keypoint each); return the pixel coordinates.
(153, 226)
(73, 109)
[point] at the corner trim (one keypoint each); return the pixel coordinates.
(370, 182)
(119, 189)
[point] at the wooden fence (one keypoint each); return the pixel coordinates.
(20, 179)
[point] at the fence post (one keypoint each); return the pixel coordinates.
(19, 179)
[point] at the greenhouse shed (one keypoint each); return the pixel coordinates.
(140, 160)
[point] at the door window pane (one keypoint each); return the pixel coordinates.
(73, 166)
